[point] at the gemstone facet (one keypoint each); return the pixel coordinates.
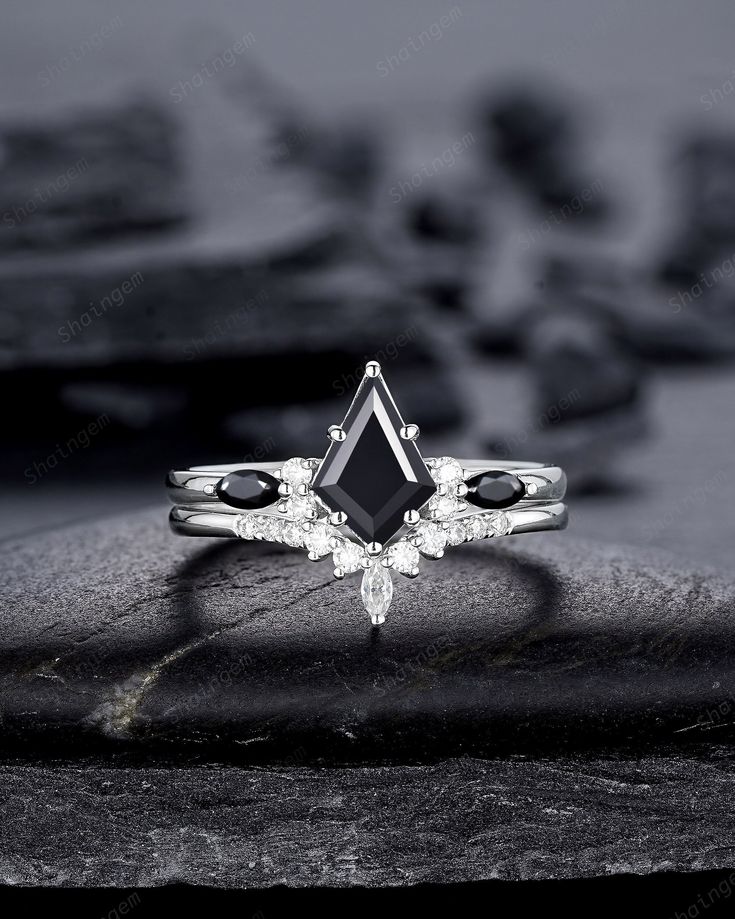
(248, 489)
(433, 539)
(442, 507)
(319, 539)
(495, 489)
(373, 475)
(348, 556)
(301, 507)
(499, 524)
(456, 533)
(377, 592)
(404, 556)
(447, 471)
(296, 471)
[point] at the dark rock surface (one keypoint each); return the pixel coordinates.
(540, 709)
(460, 820)
(130, 637)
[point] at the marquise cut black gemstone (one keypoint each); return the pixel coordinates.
(495, 489)
(248, 489)
(373, 475)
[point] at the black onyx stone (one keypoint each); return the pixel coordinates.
(373, 475)
(248, 489)
(495, 489)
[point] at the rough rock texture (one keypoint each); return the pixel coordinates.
(539, 709)
(461, 820)
(94, 176)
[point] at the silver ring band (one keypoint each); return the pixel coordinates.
(212, 520)
(196, 485)
(372, 503)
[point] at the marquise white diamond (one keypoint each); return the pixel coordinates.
(377, 592)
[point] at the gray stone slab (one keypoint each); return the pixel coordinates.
(460, 820)
(119, 632)
(221, 713)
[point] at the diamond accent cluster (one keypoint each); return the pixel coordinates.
(373, 504)
(301, 522)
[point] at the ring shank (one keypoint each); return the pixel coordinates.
(211, 520)
(187, 486)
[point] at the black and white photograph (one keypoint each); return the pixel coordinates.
(367, 375)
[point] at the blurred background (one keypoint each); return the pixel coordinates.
(212, 214)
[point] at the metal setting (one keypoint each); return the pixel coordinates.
(415, 522)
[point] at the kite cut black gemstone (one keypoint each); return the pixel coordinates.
(248, 489)
(373, 475)
(495, 489)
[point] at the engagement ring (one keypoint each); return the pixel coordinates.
(372, 502)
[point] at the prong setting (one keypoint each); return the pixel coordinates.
(349, 505)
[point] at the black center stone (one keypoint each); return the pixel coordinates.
(495, 489)
(373, 475)
(248, 489)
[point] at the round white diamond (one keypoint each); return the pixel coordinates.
(433, 538)
(269, 528)
(499, 524)
(456, 533)
(246, 526)
(292, 534)
(405, 557)
(301, 506)
(444, 506)
(477, 527)
(296, 472)
(319, 539)
(348, 556)
(447, 471)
